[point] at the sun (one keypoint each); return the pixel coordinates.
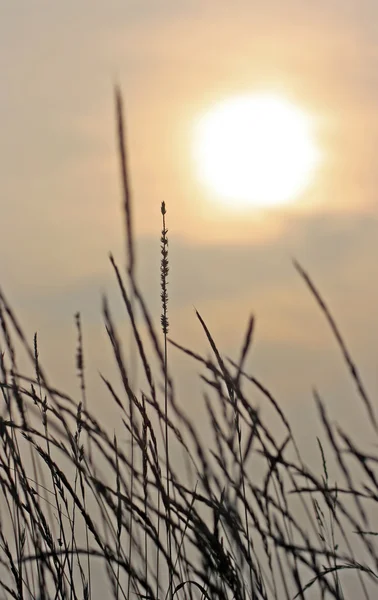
(255, 150)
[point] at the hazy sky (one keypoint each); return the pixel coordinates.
(60, 194)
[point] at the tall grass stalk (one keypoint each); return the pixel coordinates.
(130, 254)
(164, 269)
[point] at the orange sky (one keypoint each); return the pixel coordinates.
(60, 195)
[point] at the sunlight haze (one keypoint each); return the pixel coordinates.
(60, 193)
(61, 201)
(256, 124)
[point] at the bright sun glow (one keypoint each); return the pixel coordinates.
(255, 150)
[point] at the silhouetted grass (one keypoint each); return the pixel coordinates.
(242, 517)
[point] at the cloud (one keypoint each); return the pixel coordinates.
(228, 281)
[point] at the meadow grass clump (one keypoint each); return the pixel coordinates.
(84, 515)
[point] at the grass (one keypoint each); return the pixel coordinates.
(242, 517)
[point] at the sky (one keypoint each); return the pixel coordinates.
(61, 201)
(61, 204)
